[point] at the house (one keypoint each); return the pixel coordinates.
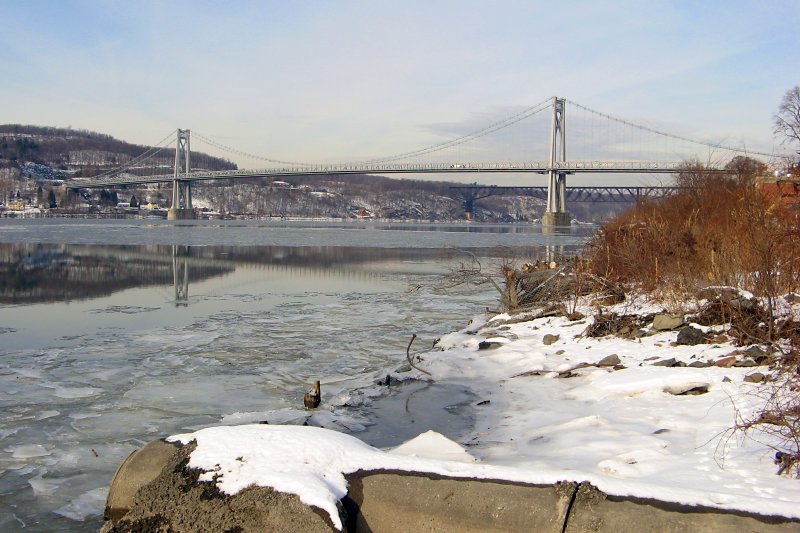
(784, 185)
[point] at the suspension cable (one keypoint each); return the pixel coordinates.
(501, 124)
(152, 151)
(245, 154)
(670, 135)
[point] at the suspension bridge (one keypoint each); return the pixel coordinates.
(532, 141)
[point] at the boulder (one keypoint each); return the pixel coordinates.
(755, 352)
(725, 362)
(610, 360)
(489, 345)
(690, 336)
(549, 339)
(666, 362)
(665, 322)
(755, 377)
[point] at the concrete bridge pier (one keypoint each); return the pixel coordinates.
(177, 213)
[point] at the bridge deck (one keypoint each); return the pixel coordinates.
(572, 167)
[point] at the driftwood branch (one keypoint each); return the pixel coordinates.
(408, 356)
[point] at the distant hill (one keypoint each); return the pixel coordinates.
(79, 153)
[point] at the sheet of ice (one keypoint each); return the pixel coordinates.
(28, 451)
(87, 504)
(78, 404)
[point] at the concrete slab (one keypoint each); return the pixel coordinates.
(399, 501)
(595, 512)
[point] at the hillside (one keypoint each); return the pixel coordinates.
(77, 153)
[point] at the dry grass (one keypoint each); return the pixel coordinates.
(718, 231)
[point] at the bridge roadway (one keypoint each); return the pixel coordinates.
(539, 167)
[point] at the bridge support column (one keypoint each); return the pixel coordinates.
(182, 188)
(555, 213)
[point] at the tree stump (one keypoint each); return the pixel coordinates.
(313, 397)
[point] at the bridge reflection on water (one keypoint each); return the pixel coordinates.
(42, 273)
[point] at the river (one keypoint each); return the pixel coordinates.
(117, 332)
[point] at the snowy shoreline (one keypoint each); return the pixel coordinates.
(642, 424)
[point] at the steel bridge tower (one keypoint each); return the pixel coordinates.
(182, 188)
(555, 213)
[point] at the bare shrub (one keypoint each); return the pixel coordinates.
(779, 421)
(719, 230)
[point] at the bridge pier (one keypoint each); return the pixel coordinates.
(180, 214)
(556, 212)
(558, 219)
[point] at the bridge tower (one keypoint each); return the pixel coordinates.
(555, 213)
(181, 188)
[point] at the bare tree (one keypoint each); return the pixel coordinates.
(787, 119)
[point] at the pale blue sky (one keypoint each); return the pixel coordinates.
(316, 81)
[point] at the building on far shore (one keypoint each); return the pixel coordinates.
(785, 185)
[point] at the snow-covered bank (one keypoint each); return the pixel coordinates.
(547, 412)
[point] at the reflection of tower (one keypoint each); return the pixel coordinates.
(554, 252)
(180, 274)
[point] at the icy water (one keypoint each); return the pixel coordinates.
(114, 333)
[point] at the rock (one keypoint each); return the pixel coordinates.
(755, 377)
(688, 390)
(726, 379)
(610, 360)
(718, 338)
(701, 364)
(312, 398)
(666, 362)
(549, 339)
(690, 336)
(725, 362)
(730, 296)
(403, 368)
(665, 322)
(489, 345)
(560, 352)
(746, 362)
(755, 352)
